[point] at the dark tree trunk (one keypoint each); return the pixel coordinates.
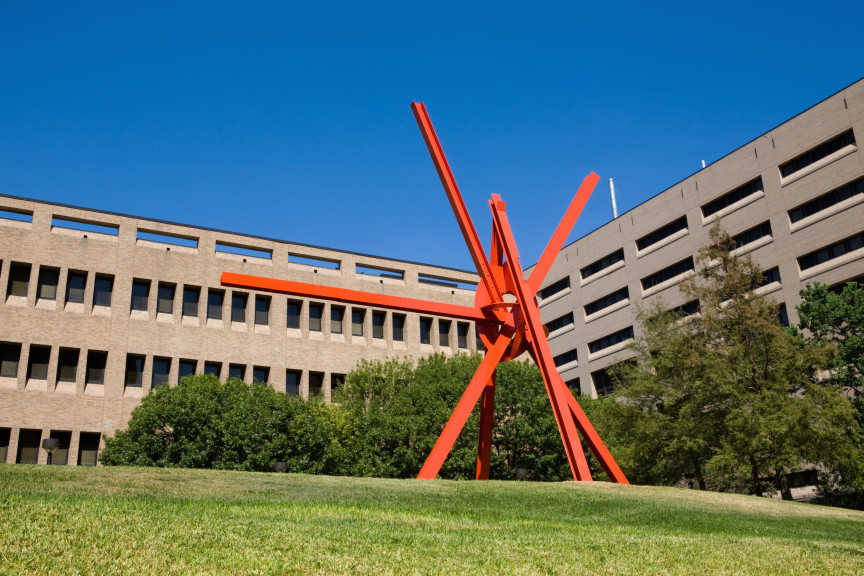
(754, 476)
(785, 490)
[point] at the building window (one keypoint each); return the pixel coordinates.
(37, 367)
(5, 434)
(378, 320)
(686, 309)
(213, 368)
(103, 286)
(444, 333)
(214, 304)
(770, 276)
(826, 201)
(316, 383)
(237, 371)
(165, 298)
(260, 374)
(238, 307)
(140, 294)
(10, 355)
(425, 330)
(732, 197)
(751, 235)
(462, 334)
(295, 308)
(358, 318)
(316, 313)
(134, 370)
(292, 382)
(662, 233)
(783, 315)
(817, 153)
(668, 273)
(606, 301)
(19, 280)
(566, 358)
(75, 284)
(602, 264)
(481, 347)
(47, 285)
(560, 322)
(574, 386)
(337, 314)
(262, 310)
(603, 383)
(186, 368)
(552, 289)
(336, 381)
(399, 327)
(88, 449)
(61, 454)
(831, 252)
(67, 365)
(28, 446)
(161, 372)
(191, 296)
(96, 362)
(611, 340)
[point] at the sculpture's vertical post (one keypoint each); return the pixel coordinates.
(484, 444)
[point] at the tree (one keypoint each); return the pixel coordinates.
(203, 423)
(728, 396)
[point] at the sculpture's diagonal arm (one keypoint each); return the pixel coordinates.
(561, 233)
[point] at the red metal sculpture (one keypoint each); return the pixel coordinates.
(507, 327)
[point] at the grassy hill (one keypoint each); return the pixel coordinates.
(148, 521)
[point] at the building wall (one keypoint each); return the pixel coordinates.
(30, 234)
(787, 243)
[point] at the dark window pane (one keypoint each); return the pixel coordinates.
(566, 358)
(37, 368)
(186, 368)
(292, 382)
(191, 295)
(140, 294)
(552, 289)
(67, 365)
(316, 312)
(358, 317)
(336, 316)
(262, 310)
(214, 368)
(662, 233)
(48, 278)
(817, 153)
(102, 289)
(611, 340)
(88, 449)
(10, 354)
(602, 264)
(134, 370)
(732, 197)
(316, 383)
(603, 383)
(214, 304)
(261, 374)
(165, 299)
(399, 327)
(462, 334)
(28, 446)
(603, 303)
(60, 457)
(425, 330)
(238, 307)
(295, 307)
(378, 320)
(161, 371)
(561, 322)
(96, 367)
(75, 284)
(444, 333)
(19, 280)
(237, 371)
(336, 381)
(668, 273)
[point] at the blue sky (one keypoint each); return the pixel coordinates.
(292, 120)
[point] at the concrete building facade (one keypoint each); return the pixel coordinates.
(98, 308)
(793, 198)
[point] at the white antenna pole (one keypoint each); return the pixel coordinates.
(612, 194)
(703, 163)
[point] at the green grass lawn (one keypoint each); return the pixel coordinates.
(142, 521)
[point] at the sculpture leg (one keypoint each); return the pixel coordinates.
(594, 442)
(463, 409)
(484, 445)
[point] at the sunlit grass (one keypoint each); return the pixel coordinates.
(150, 521)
